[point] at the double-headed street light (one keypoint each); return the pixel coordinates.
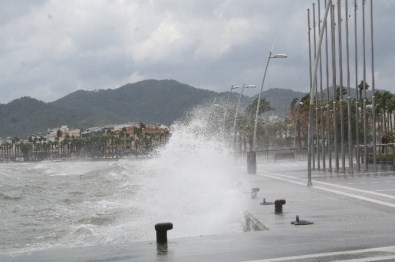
(260, 93)
(279, 56)
(237, 110)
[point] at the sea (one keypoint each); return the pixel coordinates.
(193, 182)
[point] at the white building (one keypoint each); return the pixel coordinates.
(52, 134)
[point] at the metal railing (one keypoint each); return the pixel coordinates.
(385, 156)
(276, 155)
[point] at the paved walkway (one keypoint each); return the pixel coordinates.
(353, 216)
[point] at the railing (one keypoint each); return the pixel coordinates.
(273, 155)
(385, 155)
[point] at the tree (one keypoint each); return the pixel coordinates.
(294, 104)
(384, 107)
(26, 150)
(58, 134)
(344, 92)
(362, 86)
(391, 108)
(247, 120)
(264, 106)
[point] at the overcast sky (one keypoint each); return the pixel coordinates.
(50, 48)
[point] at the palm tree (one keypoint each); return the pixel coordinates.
(344, 92)
(139, 136)
(15, 146)
(362, 86)
(117, 141)
(59, 134)
(386, 98)
(391, 108)
(383, 110)
(247, 122)
(26, 150)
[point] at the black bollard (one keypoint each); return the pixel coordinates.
(161, 232)
(278, 206)
(251, 162)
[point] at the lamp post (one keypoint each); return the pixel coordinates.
(260, 92)
(226, 105)
(373, 88)
(237, 111)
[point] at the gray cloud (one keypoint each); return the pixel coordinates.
(51, 48)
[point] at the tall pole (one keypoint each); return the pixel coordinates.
(373, 87)
(356, 86)
(350, 159)
(365, 120)
(334, 88)
(309, 127)
(339, 26)
(313, 88)
(322, 97)
(329, 144)
(259, 96)
(315, 141)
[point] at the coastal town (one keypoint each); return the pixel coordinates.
(66, 143)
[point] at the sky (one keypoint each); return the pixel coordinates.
(50, 48)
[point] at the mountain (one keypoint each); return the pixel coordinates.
(148, 101)
(25, 116)
(280, 100)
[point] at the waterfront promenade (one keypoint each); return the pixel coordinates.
(353, 220)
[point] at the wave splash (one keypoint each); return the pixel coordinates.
(193, 182)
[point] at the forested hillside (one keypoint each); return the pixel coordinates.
(148, 101)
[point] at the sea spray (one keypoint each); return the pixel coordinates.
(193, 182)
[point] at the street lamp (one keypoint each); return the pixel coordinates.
(226, 105)
(237, 110)
(260, 93)
(279, 56)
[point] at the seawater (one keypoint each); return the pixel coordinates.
(192, 181)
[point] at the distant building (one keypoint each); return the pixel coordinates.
(61, 133)
(158, 133)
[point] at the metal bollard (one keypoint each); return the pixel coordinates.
(278, 206)
(299, 222)
(161, 232)
(265, 203)
(254, 192)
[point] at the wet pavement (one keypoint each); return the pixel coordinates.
(353, 220)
